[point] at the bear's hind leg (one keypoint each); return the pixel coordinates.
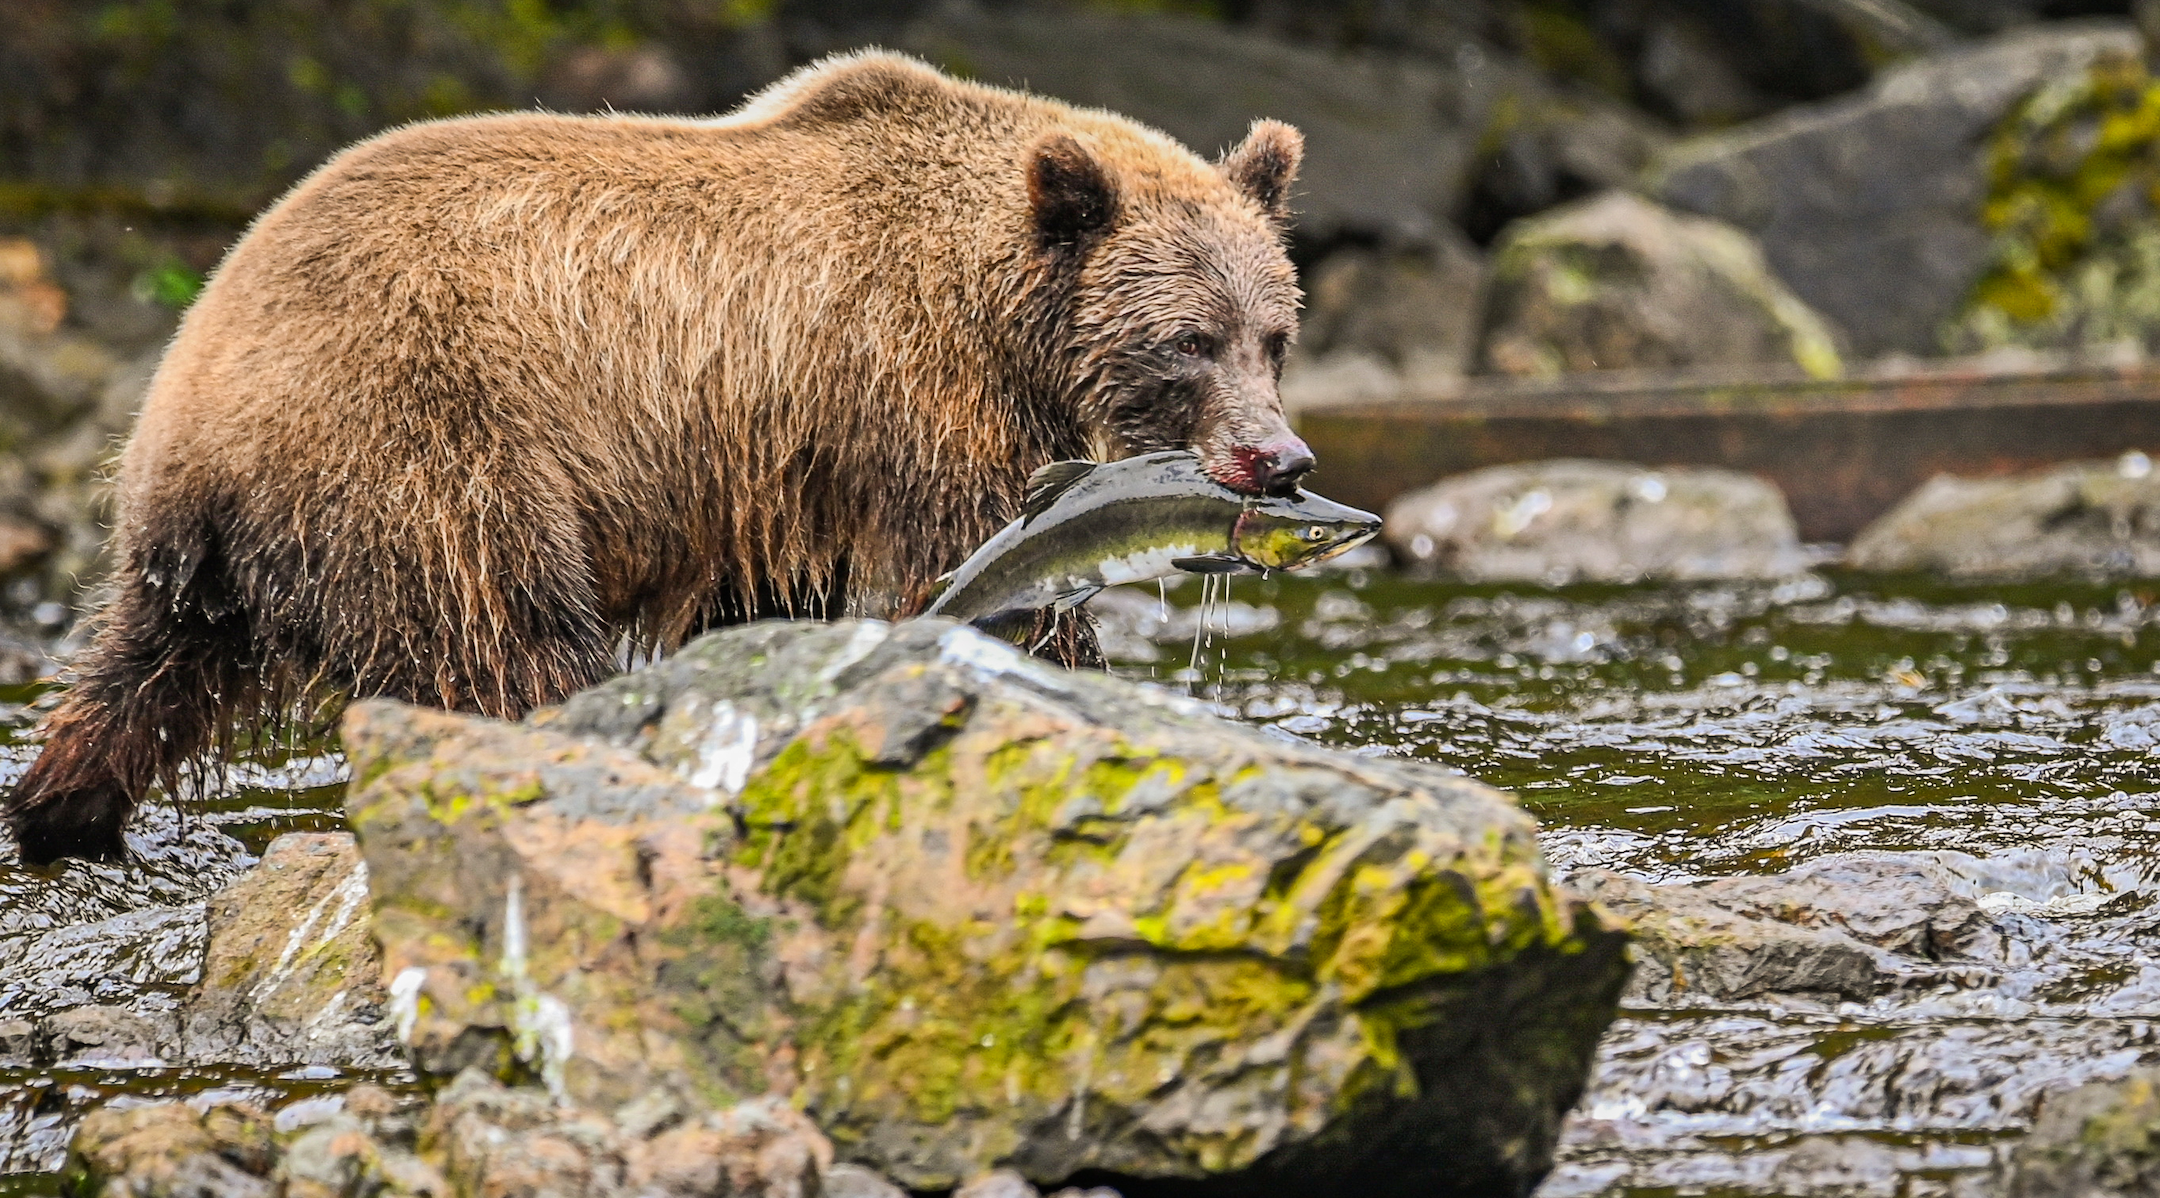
(153, 690)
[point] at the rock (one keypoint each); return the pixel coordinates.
(968, 911)
(998, 1183)
(2101, 1140)
(108, 1036)
(1393, 145)
(18, 1044)
(854, 1181)
(1843, 927)
(1868, 206)
(170, 1150)
(1412, 313)
(477, 1137)
(494, 1139)
(1577, 521)
(2075, 255)
(2099, 519)
(291, 975)
(1617, 282)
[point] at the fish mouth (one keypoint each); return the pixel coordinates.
(1345, 545)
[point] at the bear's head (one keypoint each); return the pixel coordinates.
(1182, 301)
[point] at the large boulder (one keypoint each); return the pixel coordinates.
(1394, 145)
(2098, 519)
(1583, 521)
(2076, 255)
(967, 910)
(1869, 206)
(2100, 1140)
(1616, 282)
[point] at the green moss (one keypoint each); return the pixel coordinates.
(2073, 191)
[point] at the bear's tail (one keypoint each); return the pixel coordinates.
(152, 693)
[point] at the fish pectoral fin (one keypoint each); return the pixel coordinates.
(1013, 626)
(1045, 485)
(1212, 563)
(1072, 599)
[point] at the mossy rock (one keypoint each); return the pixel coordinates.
(2073, 180)
(968, 910)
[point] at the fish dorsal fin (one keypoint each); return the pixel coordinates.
(1045, 485)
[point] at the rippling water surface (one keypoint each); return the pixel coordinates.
(1671, 733)
(1687, 733)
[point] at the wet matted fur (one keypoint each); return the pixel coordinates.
(482, 398)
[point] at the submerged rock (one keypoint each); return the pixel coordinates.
(1869, 206)
(2084, 518)
(969, 911)
(1617, 282)
(1841, 927)
(1580, 521)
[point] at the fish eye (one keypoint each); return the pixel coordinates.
(1316, 533)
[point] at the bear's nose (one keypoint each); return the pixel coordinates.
(1277, 468)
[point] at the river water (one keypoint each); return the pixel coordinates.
(1670, 733)
(2007, 734)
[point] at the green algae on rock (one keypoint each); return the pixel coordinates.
(2073, 208)
(968, 910)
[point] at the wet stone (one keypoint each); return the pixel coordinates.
(1582, 521)
(291, 975)
(1067, 923)
(2083, 519)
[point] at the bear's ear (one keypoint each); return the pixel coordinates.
(1072, 196)
(1264, 164)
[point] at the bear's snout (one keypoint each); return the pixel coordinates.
(1272, 469)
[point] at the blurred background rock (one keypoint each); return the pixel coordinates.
(1512, 186)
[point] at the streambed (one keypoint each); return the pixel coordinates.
(1669, 733)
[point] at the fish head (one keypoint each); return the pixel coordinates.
(1182, 304)
(1299, 530)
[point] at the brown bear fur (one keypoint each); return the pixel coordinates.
(482, 398)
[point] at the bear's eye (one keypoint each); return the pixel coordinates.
(1278, 344)
(1190, 345)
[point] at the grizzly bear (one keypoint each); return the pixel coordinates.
(484, 404)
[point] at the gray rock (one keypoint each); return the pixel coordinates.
(1392, 144)
(748, 870)
(1844, 927)
(854, 1181)
(998, 1183)
(1568, 521)
(2099, 519)
(1868, 206)
(18, 1044)
(2101, 1140)
(1407, 313)
(1617, 282)
(113, 1036)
